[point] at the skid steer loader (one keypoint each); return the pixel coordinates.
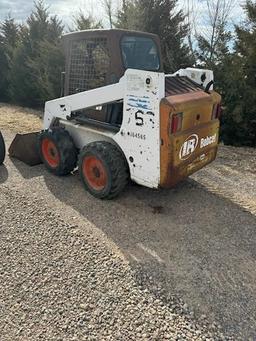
(2, 148)
(120, 117)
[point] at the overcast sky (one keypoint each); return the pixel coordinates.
(66, 9)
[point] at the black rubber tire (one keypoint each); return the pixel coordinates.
(65, 147)
(2, 149)
(114, 164)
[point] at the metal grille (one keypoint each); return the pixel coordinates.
(180, 85)
(89, 64)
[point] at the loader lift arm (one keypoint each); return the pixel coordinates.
(63, 107)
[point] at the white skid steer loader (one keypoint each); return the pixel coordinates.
(122, 118)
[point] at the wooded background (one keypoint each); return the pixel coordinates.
(31, 59)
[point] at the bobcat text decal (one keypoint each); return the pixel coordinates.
(191, 143)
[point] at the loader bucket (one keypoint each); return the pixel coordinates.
(24, 147)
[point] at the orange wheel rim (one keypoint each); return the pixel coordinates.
(95, 173)
(50, 153)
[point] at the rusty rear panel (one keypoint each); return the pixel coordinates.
(196, 144)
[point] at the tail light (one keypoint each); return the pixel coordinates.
(216, 111)
(176, 122)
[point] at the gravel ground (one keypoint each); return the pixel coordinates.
(18, 119)
(233, 176)
(59, 282)
(176, 265)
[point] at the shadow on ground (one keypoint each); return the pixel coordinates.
(182, 242)
(185, 242)
(3, 174)
(25, 171)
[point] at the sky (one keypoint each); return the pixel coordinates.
(66, 9)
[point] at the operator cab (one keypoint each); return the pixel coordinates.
(96, 58)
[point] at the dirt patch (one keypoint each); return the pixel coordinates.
(18, 119)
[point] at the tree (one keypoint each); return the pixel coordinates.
(85, 22)
(213, 40)
(109, 9)
(9, 38)
(164, 19)
(239, 84)
(128, 17)
(38, 60)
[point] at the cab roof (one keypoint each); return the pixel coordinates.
(105, 32)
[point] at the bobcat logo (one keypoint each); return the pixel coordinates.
(188, 147)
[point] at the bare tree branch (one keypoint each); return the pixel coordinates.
(109, 9)
(208, 23)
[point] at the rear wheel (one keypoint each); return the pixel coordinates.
(57, 151)
(103, 170)
(2, 149)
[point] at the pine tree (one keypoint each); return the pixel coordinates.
(128, 17)
(214, 39)
(38, 59)
(210, 54)
(239, 84)
(85, 22)
(9, 37)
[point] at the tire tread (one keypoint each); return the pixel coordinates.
(2, 149)
(66, 147)
(116, 163)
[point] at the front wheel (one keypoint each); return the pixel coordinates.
(2, 149)
(103, 170)
(57, 151)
